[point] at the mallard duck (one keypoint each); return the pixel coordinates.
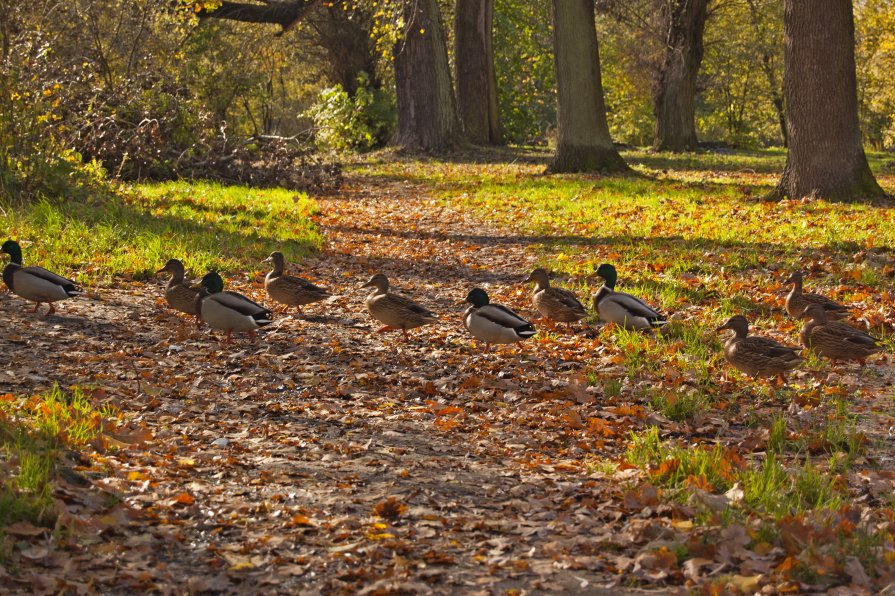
(494, 323)
(178, 294)
(554, 303)
(395, 311)
(229, 310)
(623, 309)
(834, 339)
(33, 283)
(797, 301)
(289, 289)
(757, 356)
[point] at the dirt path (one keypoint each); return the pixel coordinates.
(326, 457)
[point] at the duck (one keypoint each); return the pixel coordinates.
(797, 301)
(229, 311)
(621, 308)
(494, 323)
(556, 304)
(178, 294)
(393, 310)
(834, 339)
(289, 289)
(33, 283)
(755, 355)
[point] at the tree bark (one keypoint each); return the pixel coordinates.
(583, 142)
(474, 71)
(674, 88)
(825, 157)
(427, 112)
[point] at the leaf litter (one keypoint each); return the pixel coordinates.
(326, 457)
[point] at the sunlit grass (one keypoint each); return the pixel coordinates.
(206, 225)
(33, 431)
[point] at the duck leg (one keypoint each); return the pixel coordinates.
(252, 335)
(36, 306)
(384, 329)
(406, 337)
(487, 348)
(51, 311)
(228, 340)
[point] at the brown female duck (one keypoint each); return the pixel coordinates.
(755, 355)
(394, 310)
(556, 304)
(834, 339)
(289, 289)
(797, 300)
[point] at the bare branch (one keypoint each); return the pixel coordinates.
(284, 14)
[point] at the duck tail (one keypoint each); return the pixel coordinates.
(73, 290)
(525, 331)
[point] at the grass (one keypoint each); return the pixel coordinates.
(33, 431)
(206, 225)
(768, 487)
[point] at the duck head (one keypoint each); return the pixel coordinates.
(12, 248)
(794, 278)
(477, 297)
(212, 282)
(609, 275)
(540, 277)
(814, 312)
(173, 266)
(737, 323)
(378, 281)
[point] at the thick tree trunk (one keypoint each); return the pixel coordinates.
(674, 88)
(474, 71)
(427, 112)
(826, 157)
(583, 143)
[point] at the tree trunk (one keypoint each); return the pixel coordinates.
(583, 143)
(427, 112)
(826, 157)
(674, 88)
(474, 71)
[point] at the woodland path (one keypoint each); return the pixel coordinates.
(326, 457)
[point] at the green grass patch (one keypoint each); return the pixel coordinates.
(769, 488)
(33, 431)
(132, 234)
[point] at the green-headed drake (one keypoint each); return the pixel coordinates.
(494, 323)
(621, 308)
(229, 311)
(33, 283)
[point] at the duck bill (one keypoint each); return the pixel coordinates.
(721, 328)
(162, 270)
(268, 260)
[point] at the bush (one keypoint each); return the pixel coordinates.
(362, 122)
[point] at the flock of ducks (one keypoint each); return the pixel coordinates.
(488, 322)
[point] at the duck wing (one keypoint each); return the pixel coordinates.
(39, 272)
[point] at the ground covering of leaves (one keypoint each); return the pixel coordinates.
(327, 457)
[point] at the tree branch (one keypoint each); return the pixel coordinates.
(284, 14)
